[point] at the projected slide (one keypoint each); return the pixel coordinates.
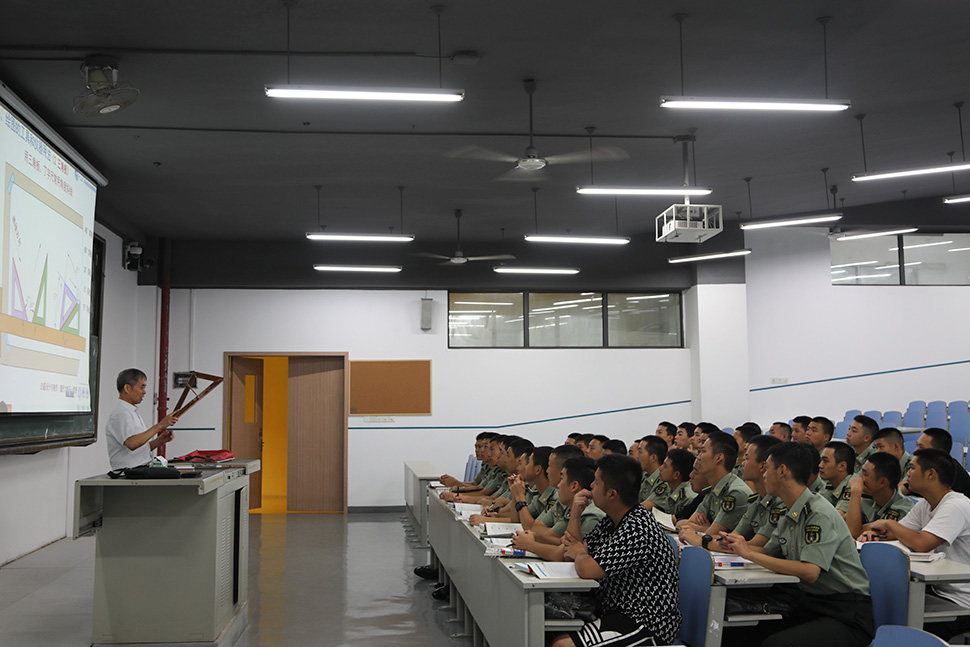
(45, 278)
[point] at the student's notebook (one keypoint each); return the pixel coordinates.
(549, 570)
(665, 520)
(913, 557)
(492, 529)
(466, 510)
(726, 560)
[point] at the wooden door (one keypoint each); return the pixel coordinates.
(246, 418)
(317, 434)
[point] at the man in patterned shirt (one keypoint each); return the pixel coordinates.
(630, 556)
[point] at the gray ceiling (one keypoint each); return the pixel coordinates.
(206, 160)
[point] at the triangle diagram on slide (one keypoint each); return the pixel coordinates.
(17, 307)
(40, 312)
(70, 312)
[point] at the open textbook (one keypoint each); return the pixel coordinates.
(913, 557)
(665, 520)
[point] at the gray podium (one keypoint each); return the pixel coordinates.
(171, 556)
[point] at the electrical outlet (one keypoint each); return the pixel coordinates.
(378, 418)
(779, 380)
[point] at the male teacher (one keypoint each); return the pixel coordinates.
(129, 443)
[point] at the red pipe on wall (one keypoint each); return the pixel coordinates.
(166, 276)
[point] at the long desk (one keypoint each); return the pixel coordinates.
(497, 603)
(417, 476)
(937, 609)
(739, 578)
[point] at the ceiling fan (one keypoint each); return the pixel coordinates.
(104, 94)
(459, 258)
(528, 167)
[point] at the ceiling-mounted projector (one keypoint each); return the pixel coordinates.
(689, 223)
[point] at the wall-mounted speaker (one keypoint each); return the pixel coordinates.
(427, 309)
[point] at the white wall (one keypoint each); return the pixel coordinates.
(38, 491)
(470, 387)
(803, 328)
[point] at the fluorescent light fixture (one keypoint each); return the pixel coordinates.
(357, 268)
(791, 222)
(861, 276)
(582, 240)
(926, 170)
(483, 303)
(838, 271)
(956, 199)
(708, 257)
(369, 238)
(890, 267)
(743, 103)
(507, 269)
(942, 242)
(874, 234)
(562, 303)
(959, 249)
(643, 190)
(644, 298)
(855, 264)
(363, 94)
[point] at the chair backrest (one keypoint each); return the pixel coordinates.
(470, 470)
(937, 418)
(675, 546)
(696, 571)
(957, 406)
(956, 451)
(914, 417)
(875, 415)
(892, 419)
(852, 413)
(840, 430)
(960, 426)
(895, 636)
(888, 570)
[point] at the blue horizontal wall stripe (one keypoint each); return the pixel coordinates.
(536, 422)
(852, 377)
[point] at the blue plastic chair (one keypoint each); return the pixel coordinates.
(852, 413)
(957, 452)
(888, 570)
(914, 417)
(936, 414)
(875, 415)
(675, 545)
(892, 419)
(909, 442)
(472, 466)
(896, 636)
(957, 406)
(840, 429)
(696, 571)
(960, 426)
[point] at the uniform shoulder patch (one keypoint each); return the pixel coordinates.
(846, 494)
(753, 498)
(892, 514)
(660, 488)
(813, 534)
(776, 514)
(727, 503)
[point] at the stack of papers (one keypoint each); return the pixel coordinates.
(466, 510)
(726, 560)
(549, 570)
(500, 530)
(913, 557)
(665, 520)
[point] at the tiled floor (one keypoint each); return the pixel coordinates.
(315, 579)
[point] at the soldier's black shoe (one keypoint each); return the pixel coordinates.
(427, 572)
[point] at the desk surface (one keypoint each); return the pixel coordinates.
(944, 570)
(423, 469)
(751, 576)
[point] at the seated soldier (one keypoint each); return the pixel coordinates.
(555, 511)
(815, 482)
(764, 510)
(492, 457)
(628, 554)
(875, 494)
(889, 440)
(685, 432)
(475, 484)
(653, 451)
(507, 465)
(936, 438)
(572, 438)
(820, 431)
(583, 442)
(686, 508)
(515, 457)
(799, 429)
(939, 522)
(532, 494)
(614, 446)
(742, 435)
(859, 437)
(577, 475)
(701, 432)
(832, 605)
(666, 432)
(727, 501)
(836, 468)
(780, 430)
(673, 486)
(594, 449)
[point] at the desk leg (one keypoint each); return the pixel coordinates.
(478, 640)
(917, 604)
(715, 616)
(535, 618)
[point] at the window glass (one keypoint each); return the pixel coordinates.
(866, 261)
(937, 259)
(644, 320)
(485, 320)
(563, 319)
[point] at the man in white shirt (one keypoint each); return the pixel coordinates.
(939, 522)
(129, 443)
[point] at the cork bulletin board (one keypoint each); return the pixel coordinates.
(390, 388)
